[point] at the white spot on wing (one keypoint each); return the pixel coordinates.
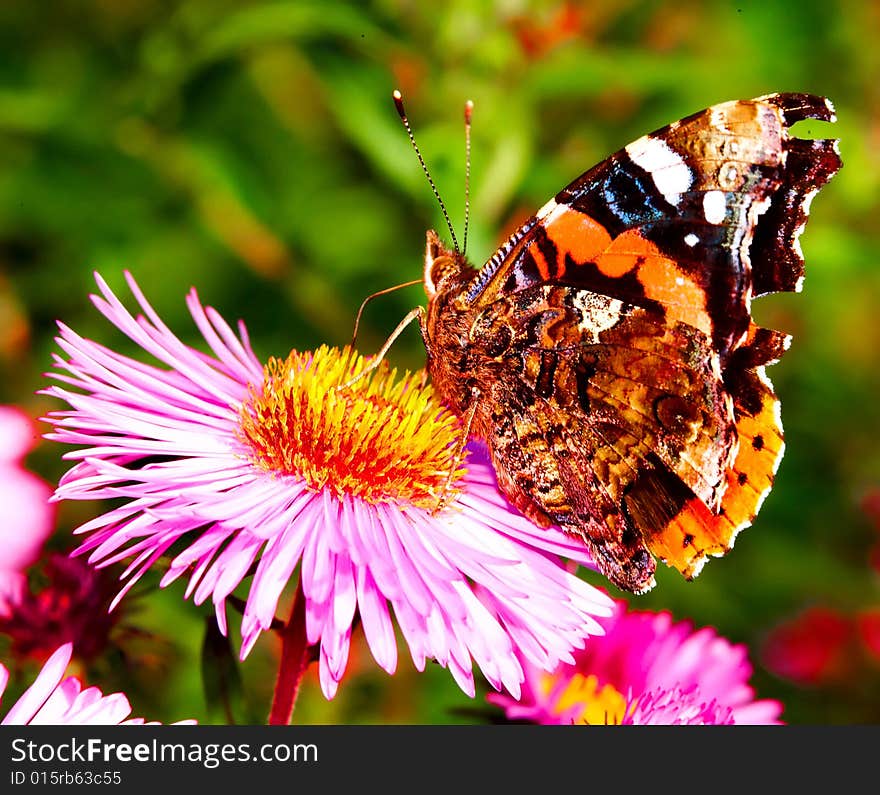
(547, 208)
(808, 200)
(670, 173)
(691, 239)
(599, 313)
(553, 211)
(796, 241)
(714, 206)
(830, 105)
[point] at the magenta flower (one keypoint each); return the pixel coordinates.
(28, 516)
(645, 670)
(51, 700)
(676, 707)
(255, 471)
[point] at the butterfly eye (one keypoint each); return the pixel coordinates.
(440, 263)
(437, 272)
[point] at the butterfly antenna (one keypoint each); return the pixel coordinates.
(468, 111)
(398, 103)
(357, 320)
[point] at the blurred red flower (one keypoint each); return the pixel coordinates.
(537, 37)
(69, 604)
(813, 648)
(868, 624)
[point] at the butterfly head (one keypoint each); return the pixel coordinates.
(444, 268)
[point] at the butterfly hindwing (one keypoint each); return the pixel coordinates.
(686, 535)
(594, 393)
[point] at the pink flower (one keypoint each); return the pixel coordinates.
(28, 516)
(51, 700)
(676, 707)
(252, 471)
(645, 670)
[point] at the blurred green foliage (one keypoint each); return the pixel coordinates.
(251, 149)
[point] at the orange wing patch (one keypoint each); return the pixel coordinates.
(577, 234)
(661, 278)
(585, 240)
(696, 532)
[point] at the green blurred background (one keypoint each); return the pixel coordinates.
(251, 149)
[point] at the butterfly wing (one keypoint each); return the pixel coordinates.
(693, 219)
(635, 410)
(683, 531)
(595, 394)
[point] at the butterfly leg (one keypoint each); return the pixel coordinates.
(418, 312)
(458, 454)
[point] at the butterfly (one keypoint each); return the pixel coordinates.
(606, 352)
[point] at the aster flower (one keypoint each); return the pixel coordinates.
(254, 471)
(28, 516)
(676, 707)
(646, 669)
(57, 700)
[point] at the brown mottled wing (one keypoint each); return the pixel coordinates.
(679, 528)
(592, 395)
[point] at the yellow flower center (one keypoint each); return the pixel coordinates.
(597, 705)
(379, 439)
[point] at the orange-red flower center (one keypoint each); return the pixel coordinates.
(378, 438)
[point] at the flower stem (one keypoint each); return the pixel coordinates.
(294, 661)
